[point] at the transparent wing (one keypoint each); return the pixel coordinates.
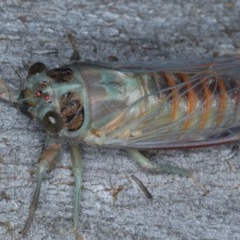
(221, 65)
(154, 130)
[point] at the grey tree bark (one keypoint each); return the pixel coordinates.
(132, 31)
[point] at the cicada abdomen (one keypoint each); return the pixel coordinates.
(169, 106)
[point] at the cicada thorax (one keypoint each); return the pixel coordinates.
(70, 103)
(61, 75)
(71, 110)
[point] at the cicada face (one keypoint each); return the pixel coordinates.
(53, 98)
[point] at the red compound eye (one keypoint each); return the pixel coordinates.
(46, 97)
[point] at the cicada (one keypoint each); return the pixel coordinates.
(136, 106)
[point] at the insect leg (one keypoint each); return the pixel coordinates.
(77, 171)
(46, 163)
(3, 89)
(164, 168)
(75, 55)
(5, 94)
(142, 187)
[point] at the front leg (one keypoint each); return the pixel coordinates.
(77, 172)
(46, 163)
